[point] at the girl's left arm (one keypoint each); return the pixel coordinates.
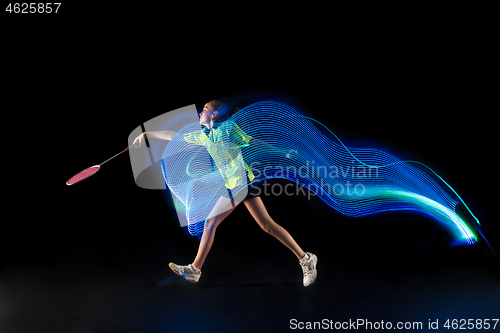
(265, 145)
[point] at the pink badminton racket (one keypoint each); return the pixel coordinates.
(82, 175)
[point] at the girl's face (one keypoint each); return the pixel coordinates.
(207, 114)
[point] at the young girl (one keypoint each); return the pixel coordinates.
(213, 120)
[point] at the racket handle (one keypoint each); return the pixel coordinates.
(115, 155)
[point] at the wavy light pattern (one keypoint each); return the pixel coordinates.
(354, 181)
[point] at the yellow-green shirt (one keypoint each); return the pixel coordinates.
(223, 144)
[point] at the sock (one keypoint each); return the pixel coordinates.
(303, 260)
(195, 269)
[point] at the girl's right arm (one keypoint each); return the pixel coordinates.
(163, 135)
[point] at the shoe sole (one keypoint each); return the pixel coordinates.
(192, 281)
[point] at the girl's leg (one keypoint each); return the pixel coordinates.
(211, 224)
(260, 214)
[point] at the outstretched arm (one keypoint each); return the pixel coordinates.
(163, 135)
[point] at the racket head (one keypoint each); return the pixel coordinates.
(82, 175)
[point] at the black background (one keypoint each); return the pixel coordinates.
(79, 83)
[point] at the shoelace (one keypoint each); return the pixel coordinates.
(306, 269)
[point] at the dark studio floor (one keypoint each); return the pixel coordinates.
(117, 280)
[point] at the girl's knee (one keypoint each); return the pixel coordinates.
(267, 226)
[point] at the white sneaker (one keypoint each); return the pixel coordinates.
(188, 272)
(309, 269)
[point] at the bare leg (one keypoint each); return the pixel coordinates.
(211, 224)
(260, 214)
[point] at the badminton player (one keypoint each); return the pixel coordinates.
(213, 120)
